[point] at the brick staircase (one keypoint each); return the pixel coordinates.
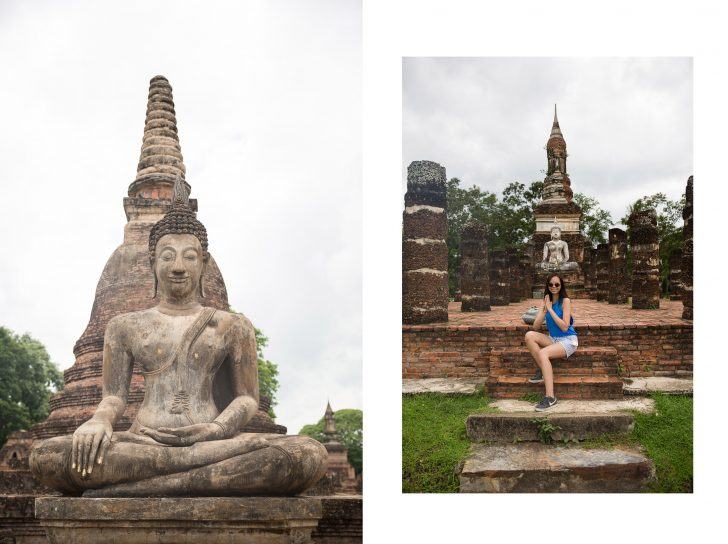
(590, 373)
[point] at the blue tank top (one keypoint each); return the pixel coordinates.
(554, 329)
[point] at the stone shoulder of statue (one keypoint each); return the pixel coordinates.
(201, 387)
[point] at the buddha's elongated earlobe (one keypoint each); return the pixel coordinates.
(201, 289)
(154, 275)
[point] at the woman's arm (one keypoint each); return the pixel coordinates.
(564, 323)
(540, 316)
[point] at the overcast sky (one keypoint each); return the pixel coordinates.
(627, 122)
(268, 102)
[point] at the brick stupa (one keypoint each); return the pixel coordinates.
(557, 208)
(126, 283)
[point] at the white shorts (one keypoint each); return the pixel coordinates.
(570, 343)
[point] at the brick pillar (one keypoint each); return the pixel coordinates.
(424, 250)
(515, 276)
(527, 273)
(499, 295)
(675, 277)
(588, 266)
(474, 270)
(645, 260)
(602, 272)
(687, 252)
(618, 280)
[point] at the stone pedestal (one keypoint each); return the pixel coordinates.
(203, 520)
(424, 249)
(645, 260)
(687, 258)
(602, 272)
(618, 280)
(474, 272)
(499, 285)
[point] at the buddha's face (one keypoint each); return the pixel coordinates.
(178, 264)
(556, 233)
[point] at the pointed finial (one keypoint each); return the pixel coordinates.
(180, 193)
(556, 119)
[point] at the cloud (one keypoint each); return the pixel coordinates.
(268, 105)
(627, 122)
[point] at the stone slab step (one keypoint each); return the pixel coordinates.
(585, 361)
(565, 387)
(525, 426)
(538, 468)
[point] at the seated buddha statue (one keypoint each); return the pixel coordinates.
(556, 253)
(201, 387)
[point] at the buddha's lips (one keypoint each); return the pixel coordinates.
(178, 280)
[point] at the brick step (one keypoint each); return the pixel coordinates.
(565, 387)
(506, 428)
(539, 468)
(585, 361)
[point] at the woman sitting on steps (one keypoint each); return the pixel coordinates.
(561, 342)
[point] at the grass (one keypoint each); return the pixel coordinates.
(434, 440)
(666, 437)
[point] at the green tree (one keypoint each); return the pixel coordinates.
(669, 227)
(349, 426)
(509, 220)
(595, 222)
(267, 370)
(29, 378)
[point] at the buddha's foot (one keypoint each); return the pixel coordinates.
(290, 465)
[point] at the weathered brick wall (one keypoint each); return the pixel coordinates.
(464, 352)
(474, 268)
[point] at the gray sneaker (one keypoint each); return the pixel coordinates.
(538, 378)
(545, 404)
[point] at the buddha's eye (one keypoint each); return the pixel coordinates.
(167, 256)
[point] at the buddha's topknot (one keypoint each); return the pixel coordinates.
(179, 220)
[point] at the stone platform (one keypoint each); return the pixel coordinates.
(539, 468)
(259, 520)
(524, 426)
(648, 342)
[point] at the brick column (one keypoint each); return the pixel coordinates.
(588, 265)
(474, 271)
(645, 260)
(602, 272)
(499, 295)
(618, 280)
(515, 276)
(424, 250)
(527, 275)
(687, 252)
(675, 277)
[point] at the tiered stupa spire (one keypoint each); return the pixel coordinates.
(160, 160)
(329, 424)
(556, 186)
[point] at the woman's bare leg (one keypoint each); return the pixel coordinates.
(553, 351)
(534, 342)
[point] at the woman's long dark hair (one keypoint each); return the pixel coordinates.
(562, 291)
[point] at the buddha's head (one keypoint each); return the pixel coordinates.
(178, 249)
(555, 233)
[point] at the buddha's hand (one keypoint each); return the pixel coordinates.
(185, 436)
(90, 442)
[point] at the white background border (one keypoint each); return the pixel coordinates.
(618, 28)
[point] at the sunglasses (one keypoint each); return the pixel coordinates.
(554, 285)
